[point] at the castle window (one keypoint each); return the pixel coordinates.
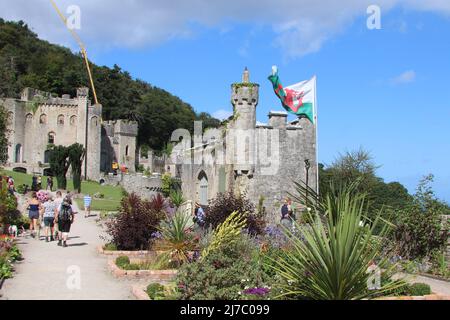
(29, 117)
(61, 119)
(43, 119)
(94, 121)
(51, 138)
(73, 120)
(126, 151)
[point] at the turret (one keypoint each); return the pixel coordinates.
(244, 97)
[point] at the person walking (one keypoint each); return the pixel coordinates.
(66, 216)
(287, 214)
(34, 207)
(39, 183)
(58, 201)
(48, 213)
(50, 183)
(87, 205)
(199, 215)
(34, 183)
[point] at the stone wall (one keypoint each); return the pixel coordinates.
(144, 187)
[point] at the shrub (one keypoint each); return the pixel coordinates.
(225, 204)
(419, 289)
(132, 266)
(122, 261)
(177, 237)
(420, 230)
(177, 199)
(136, 221)
(110, 247)
(9, 215)
(155, 291)
(222, 274)
(333, 259)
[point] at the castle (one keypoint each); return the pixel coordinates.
(38, 121)
(243, 156)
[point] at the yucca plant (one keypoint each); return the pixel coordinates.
(177, 198)
(331, 258)
(177, 237)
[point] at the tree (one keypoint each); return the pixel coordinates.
(3, 135)
(420, 227)
(76, 154)
(59, 164)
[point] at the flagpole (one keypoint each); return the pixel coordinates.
(317, 139)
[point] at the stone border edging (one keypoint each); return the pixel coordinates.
(157, 275)
(139, 293)
(139, 253)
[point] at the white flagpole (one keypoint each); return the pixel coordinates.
(317, 138)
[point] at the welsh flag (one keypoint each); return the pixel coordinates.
(298, 99)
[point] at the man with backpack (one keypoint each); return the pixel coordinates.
(65, 218)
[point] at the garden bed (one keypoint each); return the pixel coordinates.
(153, 275)
(426, 297)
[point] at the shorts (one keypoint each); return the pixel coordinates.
(33, 215)
(49, 222)
(64, 226)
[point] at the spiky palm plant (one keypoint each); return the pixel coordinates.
(331, 258)
(177, 237)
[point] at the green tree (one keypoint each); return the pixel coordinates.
(59, 164)
(420, 227)
(76, 154)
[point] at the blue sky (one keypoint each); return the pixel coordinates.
(385, 90)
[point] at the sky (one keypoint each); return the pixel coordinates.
(386, 90)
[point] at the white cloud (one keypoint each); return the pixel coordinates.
(300, 26)
(222, 114)
(406, 77)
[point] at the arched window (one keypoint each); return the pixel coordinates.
(47, 156)
(73, 120)
(29, 117)
(61, 119)
(51, 138)
(43, 119)
(203, 188)
(94, 121)
(18, 154)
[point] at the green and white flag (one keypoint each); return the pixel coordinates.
(298, 99)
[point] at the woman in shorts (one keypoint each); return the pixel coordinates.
(34, 207)
(48, 213)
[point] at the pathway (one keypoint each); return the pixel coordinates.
(46, 273)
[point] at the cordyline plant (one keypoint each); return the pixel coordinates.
(332, 260)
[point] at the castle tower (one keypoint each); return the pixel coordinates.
(241, 139)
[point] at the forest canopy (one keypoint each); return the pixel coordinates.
(27, 61)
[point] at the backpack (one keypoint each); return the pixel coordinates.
(66, 213)
(284, 211)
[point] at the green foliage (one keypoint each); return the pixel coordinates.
(110, 247)
(156, 291)
(223, 274)
(330, 257)
(29, 62)
(177, 198)
(3, 134)
(419, 289)
(9, 253)
(420, 227)
(76, 154)
(177, 237)
(59, 165)
(9, 215)
(122, 261)
(226, 233)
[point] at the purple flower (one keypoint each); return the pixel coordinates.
(156, 235)
(257, 291)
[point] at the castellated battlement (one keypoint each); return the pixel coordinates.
(121, 127)
(244, 93)
(47, 99)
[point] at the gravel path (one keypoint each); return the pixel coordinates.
(49, 272)
(437, 286)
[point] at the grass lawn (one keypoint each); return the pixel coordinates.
(112, 194)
